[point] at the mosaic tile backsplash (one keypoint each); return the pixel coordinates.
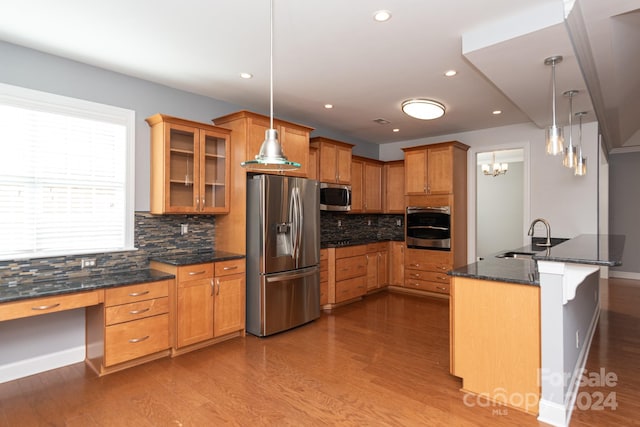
(153, 234)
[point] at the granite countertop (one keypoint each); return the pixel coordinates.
(593, 249)
(200, 257)
(354, 242)
(60, 286)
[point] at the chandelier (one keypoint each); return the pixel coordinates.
(495, 169)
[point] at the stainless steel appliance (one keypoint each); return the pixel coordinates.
(335, 197)
(283, 253)
(429, 227)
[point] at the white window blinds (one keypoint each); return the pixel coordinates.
(65, 176)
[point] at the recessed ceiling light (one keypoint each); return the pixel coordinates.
(246, 75)
(496, 112)
(423, 109)
(382, 16)
(328, 106)
(396, 130)
(450, 73)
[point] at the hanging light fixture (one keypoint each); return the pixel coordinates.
(270, 157)
(581, 161)
(555, 140)
(495, 168)
(569, 159)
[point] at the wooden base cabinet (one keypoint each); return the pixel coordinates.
(426, 270)
(347, 275)
(324, 277)
(131, 327)
(377, 266)
(396, 264)
(208, 301)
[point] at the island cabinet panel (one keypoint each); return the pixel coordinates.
(335, 160)
(190, 164)
(131, 327)
(495, 340)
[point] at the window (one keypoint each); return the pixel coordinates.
(66, 175)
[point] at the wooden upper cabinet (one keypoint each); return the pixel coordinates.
(293, 138)
(366, 185)
(313, 163)
(434, 169)
(393, 187)
(334, 160)
(189, 166)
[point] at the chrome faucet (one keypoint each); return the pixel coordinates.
(546, 224)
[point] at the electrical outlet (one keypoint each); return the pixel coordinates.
(577, 339)
(368, 222)
(184, 229)
(399, 223)
(339, 223)
(87, 262)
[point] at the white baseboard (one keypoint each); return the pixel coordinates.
(624, 274)
(35, 365)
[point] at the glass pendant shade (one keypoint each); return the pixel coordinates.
(554, 137)
(270, 156)
(570, 157)
(555, 140)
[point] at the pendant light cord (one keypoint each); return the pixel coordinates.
(271, 65)
(553, 105)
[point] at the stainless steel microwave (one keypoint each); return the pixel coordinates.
(335, 197)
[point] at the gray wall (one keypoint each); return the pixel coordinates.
(624, 206)
(499, 210)
(36, 70)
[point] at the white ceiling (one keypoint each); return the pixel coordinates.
(332, 51)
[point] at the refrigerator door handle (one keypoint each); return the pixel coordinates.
(299, 225)
(282, 278)
(293, 235)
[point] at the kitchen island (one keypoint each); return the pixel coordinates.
(521, 327)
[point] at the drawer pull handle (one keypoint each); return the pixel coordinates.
(137, 340)
(195, 273)
(414, 265)
(138, 294)
(139, 311)
(442, 278)
(441, 288)
(235, 267)
(443, 267)
(45, 307)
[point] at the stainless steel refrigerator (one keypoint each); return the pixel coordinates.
(283, 253)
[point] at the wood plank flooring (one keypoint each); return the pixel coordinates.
(380, 362)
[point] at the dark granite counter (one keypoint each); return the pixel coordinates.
(354, 242)
(52, 287)
(593, 249)
(188, 258)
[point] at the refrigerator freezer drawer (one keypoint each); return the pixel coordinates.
(287, 300)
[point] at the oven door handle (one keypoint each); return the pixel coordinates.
(430, 227)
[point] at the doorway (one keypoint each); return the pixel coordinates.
(501, 199)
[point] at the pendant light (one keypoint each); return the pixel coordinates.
(555, 140)
(569, 159)
(581, 161)
(270, 157)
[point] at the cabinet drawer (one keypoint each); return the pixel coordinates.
(234, 266)
(134, 293)
(36, 306)
(324, 275)
(350, 251)
(351, 288)
(428, 260)
(136, 310)
(376, 247)
(422, 285)
(195, 272)
(430, 276)
(347, 268)
(130, 340)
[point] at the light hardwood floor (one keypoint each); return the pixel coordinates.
(382, 361)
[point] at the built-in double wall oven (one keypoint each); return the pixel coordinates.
(429, 227)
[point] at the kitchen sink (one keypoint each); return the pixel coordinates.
(515, 255)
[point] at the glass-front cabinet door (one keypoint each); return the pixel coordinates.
(214, 172)
(183, 169)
